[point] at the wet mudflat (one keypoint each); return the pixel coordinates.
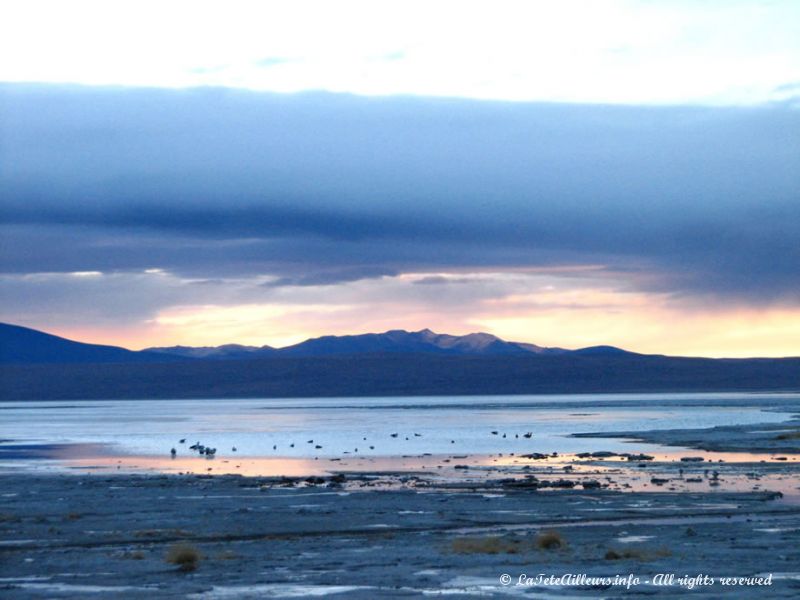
(368, 536)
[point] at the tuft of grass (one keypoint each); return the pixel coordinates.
(550, 540)
(185, 556)
(490, 544)
(792, 435)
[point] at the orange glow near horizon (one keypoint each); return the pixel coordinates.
(576, 310)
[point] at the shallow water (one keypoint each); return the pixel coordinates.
(262, 429)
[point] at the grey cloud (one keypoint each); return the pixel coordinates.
(324, 188)
(440, 280)
(335, 276)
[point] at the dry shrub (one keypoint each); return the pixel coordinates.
(185, 556)
(550, 540)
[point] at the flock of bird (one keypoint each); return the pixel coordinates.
(206, 451)
(210, 452)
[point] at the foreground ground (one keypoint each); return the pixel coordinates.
(99, 536)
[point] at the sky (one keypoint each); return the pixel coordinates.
(561, 173)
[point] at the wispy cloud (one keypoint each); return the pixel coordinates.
(618, 51)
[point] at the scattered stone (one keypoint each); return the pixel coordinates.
(639, 457)
(558, 483)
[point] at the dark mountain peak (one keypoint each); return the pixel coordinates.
(24, 345)
(604, 351)
(424, 341)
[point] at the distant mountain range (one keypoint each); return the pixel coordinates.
(21, 345)
(39, 366)
(394, 341)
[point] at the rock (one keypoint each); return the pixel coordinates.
(590, 484)
(529, 482)
(558, 483)
(692, 459)
(639, 457)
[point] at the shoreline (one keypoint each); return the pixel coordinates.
(759, 438)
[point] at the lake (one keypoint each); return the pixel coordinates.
(351, 428)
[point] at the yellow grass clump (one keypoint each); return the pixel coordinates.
(185, 556)
(550, 540)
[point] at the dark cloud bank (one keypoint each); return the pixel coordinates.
(320, 187)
